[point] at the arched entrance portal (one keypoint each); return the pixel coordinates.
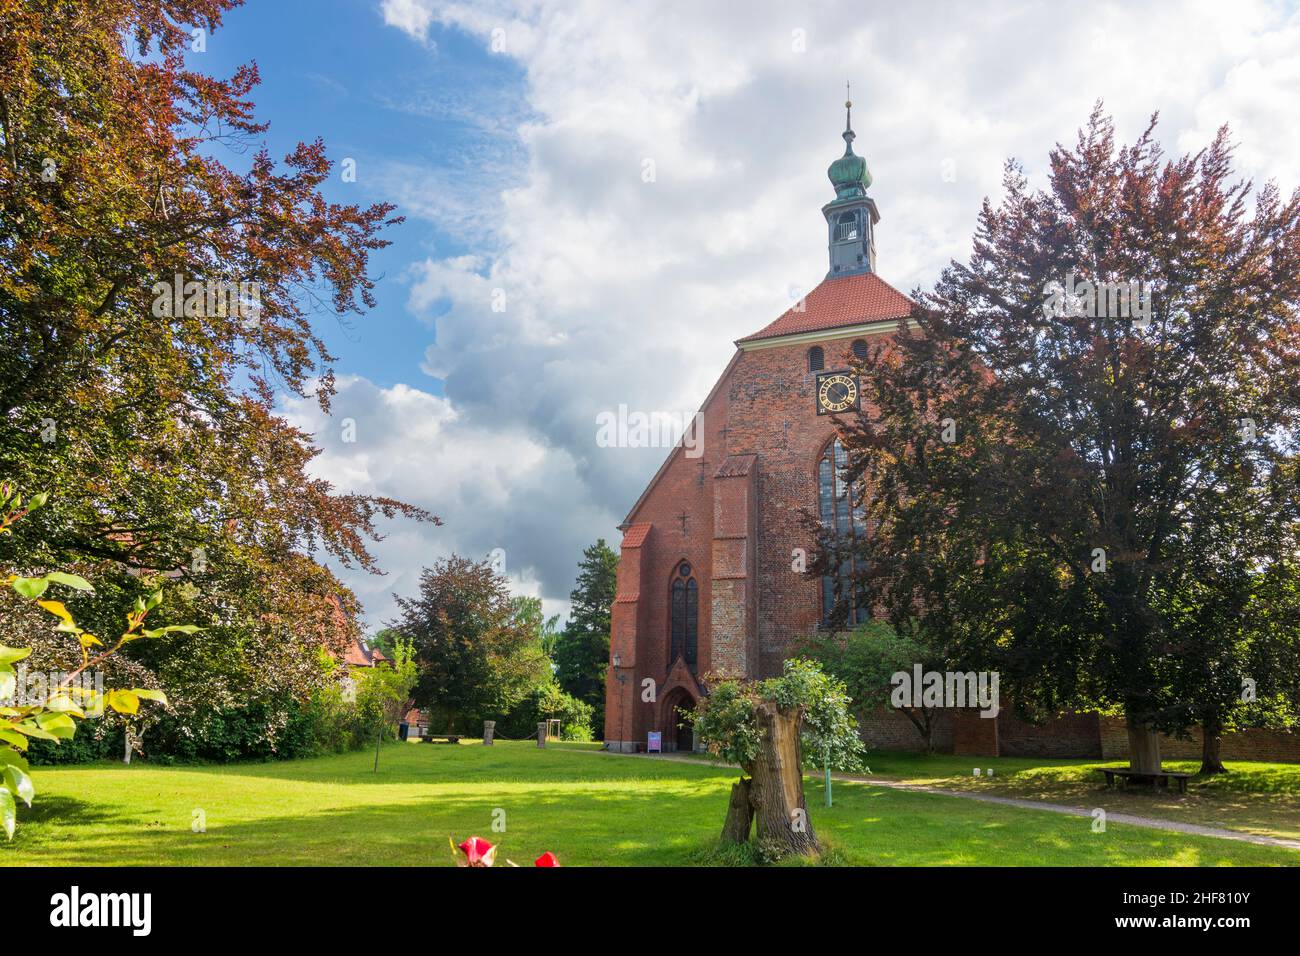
(679, 721)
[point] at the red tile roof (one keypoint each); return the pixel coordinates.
(635, 535)
(359, 655)
(848, 300)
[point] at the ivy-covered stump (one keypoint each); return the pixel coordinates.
(763, 726)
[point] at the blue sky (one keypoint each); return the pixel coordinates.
(542, 279)
(333, 69)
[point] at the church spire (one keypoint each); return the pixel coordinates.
(849, 135)
(852, 215)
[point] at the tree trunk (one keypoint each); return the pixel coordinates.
(1211, 743)
(1143, 748)
(740, 815)
(776, 782)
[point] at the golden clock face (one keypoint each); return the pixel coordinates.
(836, 392)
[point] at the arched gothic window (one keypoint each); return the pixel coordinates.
(816, 359)
(684, 617)
(860, 350)
(841, 510)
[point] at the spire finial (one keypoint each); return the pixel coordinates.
(848, 134)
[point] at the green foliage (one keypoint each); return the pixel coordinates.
(384, 692)
(582, 650)
(385, 641)
(54, 718)
(528, 614)
(725, 719)
(474, 655)
(865, 660)
(548, 702)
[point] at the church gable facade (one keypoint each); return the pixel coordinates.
(708, 581)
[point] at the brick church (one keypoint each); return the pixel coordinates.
(707, 581)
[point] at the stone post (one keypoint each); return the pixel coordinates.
(489, 728)
(541, 735)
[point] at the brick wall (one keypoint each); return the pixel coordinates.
(887, 729)
(1253, 744)
(974, 735)
(1070, 735)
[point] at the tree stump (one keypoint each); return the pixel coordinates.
(776, 782)
(740, 815)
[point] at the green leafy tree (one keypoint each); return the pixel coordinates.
(528, 613)
(765, 726)
(384, 692)
(865, 660)
(385, 641)
(475, 656)
(582, 650)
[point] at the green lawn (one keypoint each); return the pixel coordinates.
(588, 808)
(1261, 798)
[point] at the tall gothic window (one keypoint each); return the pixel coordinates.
(842, 514)
(816, 359)
(685, 617)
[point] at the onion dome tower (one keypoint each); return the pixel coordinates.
(851, 216)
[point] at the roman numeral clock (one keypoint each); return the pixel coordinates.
(836, 392)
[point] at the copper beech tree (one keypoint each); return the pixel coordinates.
(1080, 455)
(163, 279)
(768, 727)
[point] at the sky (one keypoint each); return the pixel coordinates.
(601, 198)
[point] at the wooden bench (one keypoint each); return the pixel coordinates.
(1160, 779)
(444, 738)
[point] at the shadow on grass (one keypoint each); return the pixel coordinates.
(672, 820)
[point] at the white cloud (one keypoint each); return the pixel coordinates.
(621, 291)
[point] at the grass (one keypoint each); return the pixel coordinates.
(588, 808)
(1260, 798)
